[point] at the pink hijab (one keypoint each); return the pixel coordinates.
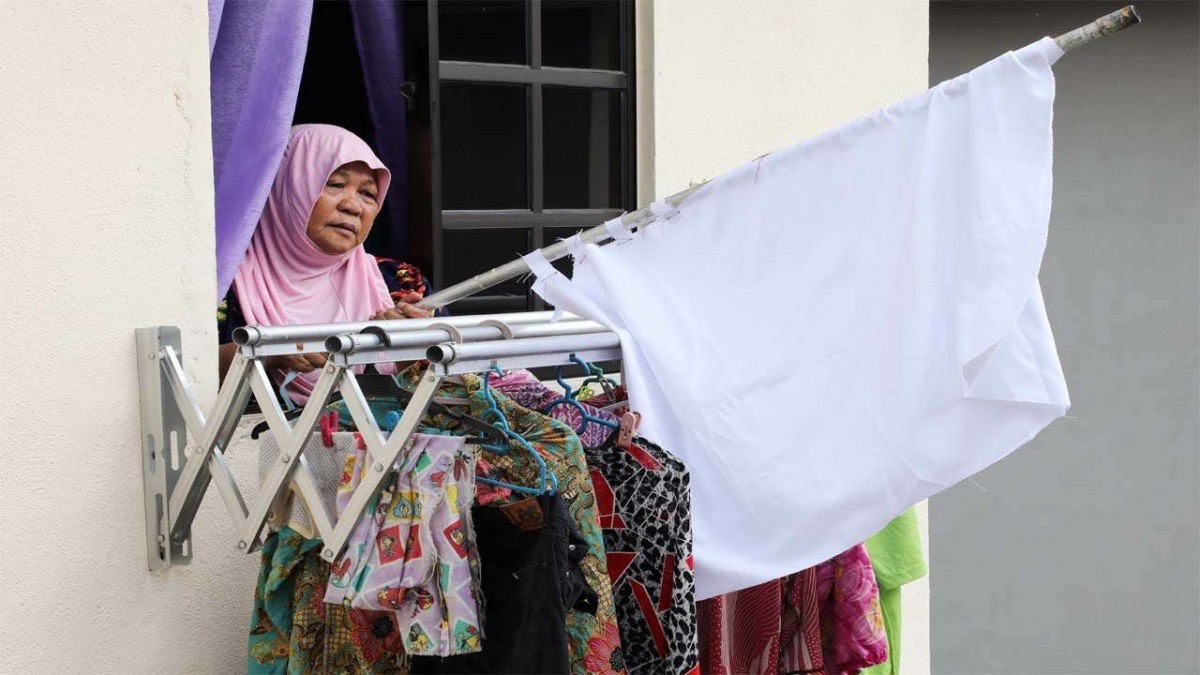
(285, 279)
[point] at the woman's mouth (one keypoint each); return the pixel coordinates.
(345, 227)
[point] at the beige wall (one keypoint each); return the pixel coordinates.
(730, 80)
(721, 82)
(106, 205)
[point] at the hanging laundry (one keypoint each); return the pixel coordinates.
(594, 639)
(851, 620)
(740, 632)
(413, 552)
(292, 630)
(537, 396)
(898, 559)
(644, 504)
(887, 337)
(530, 579)
(325, 464)
(800, 644)
(824, 620)
(644, 499)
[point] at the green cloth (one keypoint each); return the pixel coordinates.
(897, 559)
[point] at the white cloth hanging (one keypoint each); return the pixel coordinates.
(834, 332)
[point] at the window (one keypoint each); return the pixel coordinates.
(531, 106)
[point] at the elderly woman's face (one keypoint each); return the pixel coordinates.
(342, 217)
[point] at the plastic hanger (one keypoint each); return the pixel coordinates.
(288, 403)
(290, 410)
(392, 420)
(569, 398)
(377, 386)
(547, 481)
(606, 383)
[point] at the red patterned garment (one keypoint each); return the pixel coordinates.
(800, 649)
(740, 631)
(825, 620)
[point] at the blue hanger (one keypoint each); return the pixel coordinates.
(501, 423)
(289, 404)
(569, 398)
(606, 383)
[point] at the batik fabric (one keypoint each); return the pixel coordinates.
(293, 631)
(537, 396)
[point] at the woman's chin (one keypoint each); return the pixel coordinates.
(336, 245)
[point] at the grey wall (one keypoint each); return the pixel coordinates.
(1080, 552)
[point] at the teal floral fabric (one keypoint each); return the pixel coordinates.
(293, 631)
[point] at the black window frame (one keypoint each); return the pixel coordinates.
(537, 218)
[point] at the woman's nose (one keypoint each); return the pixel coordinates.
(351, 205)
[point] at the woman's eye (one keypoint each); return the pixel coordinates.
(335, 186)
(368, 194)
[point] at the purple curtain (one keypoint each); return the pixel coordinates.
(379, 31)
(256, 54)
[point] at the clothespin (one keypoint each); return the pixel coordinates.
(629, 425)
(329, 424)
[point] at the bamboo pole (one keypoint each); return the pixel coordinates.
(1102, 27)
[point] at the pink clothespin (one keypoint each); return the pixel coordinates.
(329, 424)
(629, 425)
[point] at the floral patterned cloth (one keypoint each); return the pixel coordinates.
(594, 641)
(851, 619)
(413, 552)
(537, 396)
(293, 631)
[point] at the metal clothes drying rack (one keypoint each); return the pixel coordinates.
(176, 481)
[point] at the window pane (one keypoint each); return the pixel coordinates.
(484, 146)
(581, 34)
(583, 148)
(466, 253)
(485, 32)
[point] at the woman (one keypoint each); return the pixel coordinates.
(306, 262)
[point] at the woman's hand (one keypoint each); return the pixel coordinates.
(403, 310)
(301, 363)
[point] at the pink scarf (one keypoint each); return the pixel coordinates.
(285, 279)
